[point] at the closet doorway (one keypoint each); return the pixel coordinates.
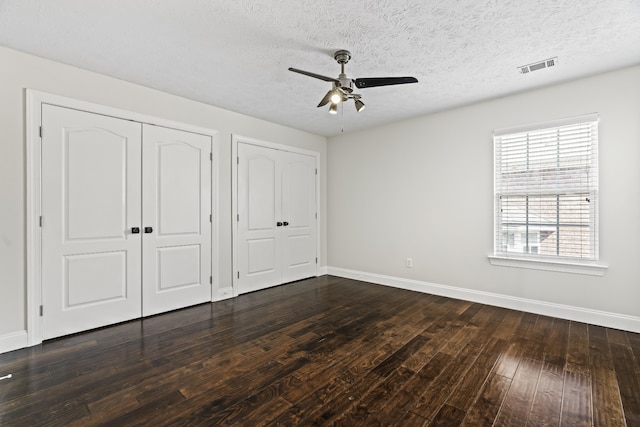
(276, 233)
(125, 223)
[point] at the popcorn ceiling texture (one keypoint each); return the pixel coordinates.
(235, 54)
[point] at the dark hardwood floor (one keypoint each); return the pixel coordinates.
(330, 351)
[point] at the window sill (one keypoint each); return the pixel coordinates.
(548, 265)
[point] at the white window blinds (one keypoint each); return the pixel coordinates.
(546, 190)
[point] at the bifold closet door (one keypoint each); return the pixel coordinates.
(91, 184)
(176, 210)
(126, 220)
(277, 229)
(299, 209)
(259, 212)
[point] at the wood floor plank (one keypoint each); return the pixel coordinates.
(399, 357)
(340, 400)
(367, 407)
(256, 410)
(413, 389)
(547, 401)
(465, 333)
(448, 416)
(329, 351)
(485, 409)
(634, 342)
(469, 388)
(517, 403)
(507, 327)
(408, 419)
(627, 369)
(439, 390)
(607, 405)
(578, 348)
(576, 400)
(537, 338)
(509, 360)
(555, 346)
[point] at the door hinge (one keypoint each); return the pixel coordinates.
(316, 260)
(238, 160)
(41, 311)
(211, 280)
(238, 274)
(316, 171)
(211, 156)
(40, 131)
(210, 218)
(238, 217)
(40, 221)
(316, 215)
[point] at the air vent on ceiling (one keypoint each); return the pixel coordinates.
(551, 62)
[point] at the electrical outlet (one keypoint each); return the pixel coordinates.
(409, 263)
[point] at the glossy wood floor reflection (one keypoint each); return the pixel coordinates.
(330, 351)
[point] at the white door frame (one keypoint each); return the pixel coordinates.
(235, 139)
(34, 101)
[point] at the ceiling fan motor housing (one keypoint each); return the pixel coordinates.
(342, 56)
(346, 83)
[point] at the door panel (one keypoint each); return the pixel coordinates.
(178, 267)
(261, 256)
(179, 187)
(176, 212)
(95, 158)
(83, 287)
(259, 192)
(90, 201)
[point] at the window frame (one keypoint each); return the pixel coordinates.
(538, 261)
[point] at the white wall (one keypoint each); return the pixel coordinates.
(423, 188)
(20, 71)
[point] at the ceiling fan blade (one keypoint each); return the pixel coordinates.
(383, 81)
(326, 99)
(314, 75)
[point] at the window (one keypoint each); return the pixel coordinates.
(546, 191)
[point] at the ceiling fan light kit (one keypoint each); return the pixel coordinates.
(343, 86)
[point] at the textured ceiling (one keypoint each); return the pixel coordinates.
(235, 53)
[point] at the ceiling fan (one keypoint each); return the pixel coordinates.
(343, 86)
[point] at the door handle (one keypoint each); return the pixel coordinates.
(285, 223)
(279, 224)
(135, 230)
(148, 229)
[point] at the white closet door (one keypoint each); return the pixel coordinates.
(176, 210)
(259, 211)
(90, 205)
(277, 229)
(299, 213)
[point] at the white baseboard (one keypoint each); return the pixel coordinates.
(578, 314)
(223, 293)
(323, 271)
(13, 341)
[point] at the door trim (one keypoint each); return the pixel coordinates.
(235, 140)
(33, 115)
